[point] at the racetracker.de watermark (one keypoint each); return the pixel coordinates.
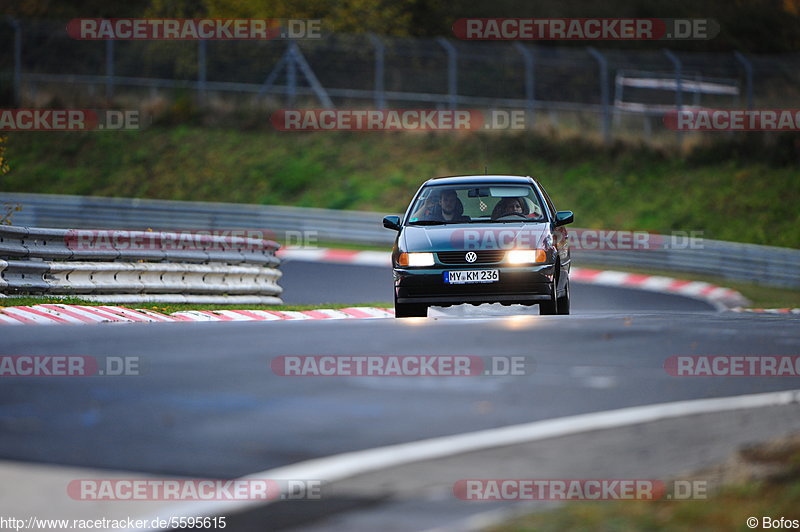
(377, 120)
(584, 29)
(68, 366)
(188, 29)
(733, 120)
(68, 119)
(537, 237)
(602, 489)
(401, 120)
(733, 365)
(250, 489)
(195, 240)
(399, 366)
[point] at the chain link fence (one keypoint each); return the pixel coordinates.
(559, 85)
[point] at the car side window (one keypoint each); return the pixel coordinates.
(548, 201)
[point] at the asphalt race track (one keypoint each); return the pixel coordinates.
(208, 404)
(311, 283)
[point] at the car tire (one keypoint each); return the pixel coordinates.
(548, 308)
(410, 310)
(563, 301)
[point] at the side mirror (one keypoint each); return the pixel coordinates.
(392, 222)
(564, 218)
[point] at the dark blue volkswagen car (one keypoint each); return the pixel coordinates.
(480, 239)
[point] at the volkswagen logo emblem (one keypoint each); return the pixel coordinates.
(471, 256)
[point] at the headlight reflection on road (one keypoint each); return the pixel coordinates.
(412, 321)
(519, 322)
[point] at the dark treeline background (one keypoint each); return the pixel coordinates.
(756, 26)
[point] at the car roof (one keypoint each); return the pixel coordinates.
(472, 179)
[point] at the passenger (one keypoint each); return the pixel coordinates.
(508, 206)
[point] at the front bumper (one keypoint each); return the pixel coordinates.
(517, 285)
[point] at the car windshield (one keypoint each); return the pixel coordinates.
(439, 204)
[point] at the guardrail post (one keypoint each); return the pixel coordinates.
(678, 86)
(380, 96)
(17, 59)
(530, 94)
(452, 71)
(109, 69)
(201, 71)
(604, 96)
(748, 72)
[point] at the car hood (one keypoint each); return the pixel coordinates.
(459, 237)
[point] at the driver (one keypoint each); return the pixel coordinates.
(430, 209)
(452, 210)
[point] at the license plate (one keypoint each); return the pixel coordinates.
(471, 276)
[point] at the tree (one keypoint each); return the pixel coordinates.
(3, 161)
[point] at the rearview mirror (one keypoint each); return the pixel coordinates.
(564, 218)
(391, 222)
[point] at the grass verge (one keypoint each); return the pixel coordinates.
(742, 189)
(774, 494)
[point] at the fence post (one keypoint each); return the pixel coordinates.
(380, 96)
(291, 76)
(299, 61)
(452, 71)
(604, 96)
(109, 69)
(201, 71)
(17, 60)
(678, 86)
(530, 94)
(748, 72)
(618, 90)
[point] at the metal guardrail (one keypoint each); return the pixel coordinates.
(138, 266)
(765, 265)
(91, 212)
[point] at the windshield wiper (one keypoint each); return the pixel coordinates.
(427, 222)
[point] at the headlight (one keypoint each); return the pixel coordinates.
(415, 260)
(526, 256)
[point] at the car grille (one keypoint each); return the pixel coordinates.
(484, 257)
(470, 290)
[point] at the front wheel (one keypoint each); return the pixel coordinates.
(548, 308)
(410, 310)
(563, 301)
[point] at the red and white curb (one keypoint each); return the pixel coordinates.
(65, 314)
(768, 310)
(722, 298)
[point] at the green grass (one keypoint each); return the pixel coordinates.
(727, 511)
(775, 496)
(744, 189)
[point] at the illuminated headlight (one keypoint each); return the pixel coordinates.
(526, 256)
(415, 260)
